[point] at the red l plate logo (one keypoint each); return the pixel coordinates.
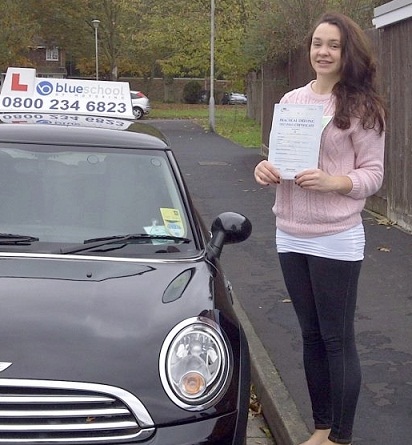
(15, 83)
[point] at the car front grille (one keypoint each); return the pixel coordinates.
(50, 412)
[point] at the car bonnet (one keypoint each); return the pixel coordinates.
(95, 321)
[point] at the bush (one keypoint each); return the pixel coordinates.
(192, 92)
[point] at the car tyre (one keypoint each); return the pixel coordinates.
(138, 112)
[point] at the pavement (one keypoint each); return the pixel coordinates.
(219, 175)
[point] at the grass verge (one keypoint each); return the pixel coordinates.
(231, 121)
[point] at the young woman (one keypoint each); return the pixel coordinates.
(320, 236)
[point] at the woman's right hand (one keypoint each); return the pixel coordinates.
(266, 173)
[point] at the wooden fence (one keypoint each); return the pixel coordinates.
(393, 49)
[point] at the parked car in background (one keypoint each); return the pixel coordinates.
(140, 104)
(234, 99)
(117, 323)
(204, 96)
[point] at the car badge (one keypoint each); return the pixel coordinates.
(4, 366)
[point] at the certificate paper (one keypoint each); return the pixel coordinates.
(294, 140)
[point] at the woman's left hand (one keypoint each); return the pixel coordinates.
(320, 181)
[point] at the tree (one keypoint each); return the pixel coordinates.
(117, 26)
(140, 37)
(166, 37)
(178, 36)
(70, 27)
(279, 26)
(67, 27)
(17, 34)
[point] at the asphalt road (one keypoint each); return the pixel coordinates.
(219, 174)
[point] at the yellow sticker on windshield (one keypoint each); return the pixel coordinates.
(173, 221)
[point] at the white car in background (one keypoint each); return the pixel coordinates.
(234, 99)
(140, 104)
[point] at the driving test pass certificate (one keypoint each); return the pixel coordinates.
(294, 140)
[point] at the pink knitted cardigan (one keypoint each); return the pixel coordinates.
(356, 152)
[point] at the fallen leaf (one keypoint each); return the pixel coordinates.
(384, 221)
(255, 407)
(266, 431)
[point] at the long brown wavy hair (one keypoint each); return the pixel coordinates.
(356, 92)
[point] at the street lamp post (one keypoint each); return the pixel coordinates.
(212, 67)
(96, 26)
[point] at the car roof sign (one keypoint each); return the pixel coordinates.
(65, 120)
(23, 92)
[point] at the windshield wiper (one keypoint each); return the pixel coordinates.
(93, 243)
(15, 239)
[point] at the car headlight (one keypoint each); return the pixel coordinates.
(194, 364)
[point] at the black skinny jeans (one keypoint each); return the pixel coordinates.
(323, 292)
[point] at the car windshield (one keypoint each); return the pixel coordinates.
(55, 199)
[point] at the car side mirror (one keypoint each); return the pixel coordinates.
(227, 228)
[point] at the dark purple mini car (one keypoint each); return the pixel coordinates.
(116, 320)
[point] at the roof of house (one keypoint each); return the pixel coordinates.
(392, 12)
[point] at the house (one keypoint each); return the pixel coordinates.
(49, 61)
